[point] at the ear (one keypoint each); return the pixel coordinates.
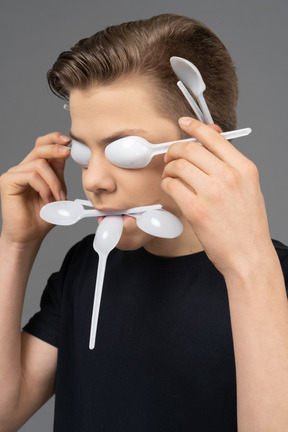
(215, 127)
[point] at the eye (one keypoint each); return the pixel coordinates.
(80, 153)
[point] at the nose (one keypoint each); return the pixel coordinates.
(98, 176)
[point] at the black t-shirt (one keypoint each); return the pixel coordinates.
(164, 357)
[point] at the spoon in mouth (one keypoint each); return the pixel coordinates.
(70, 212)
(150, 219)
(106, 238)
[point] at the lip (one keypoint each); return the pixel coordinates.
(109, 209)
(125, 217)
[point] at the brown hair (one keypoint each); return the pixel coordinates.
(144, 47)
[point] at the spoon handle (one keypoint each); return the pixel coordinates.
(142, 209)
(97, 299)
(83, 202)
(207, 116)
(191, 101)
(163, 147)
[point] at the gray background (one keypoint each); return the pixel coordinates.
(33, 33)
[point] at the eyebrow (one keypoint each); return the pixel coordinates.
(114, 137)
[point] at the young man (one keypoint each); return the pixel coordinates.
(176, 315)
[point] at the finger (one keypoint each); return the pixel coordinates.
(48, 151)
(19, 182)
(52, 138)
(189, 174)
(212, 140)
(58, 166)
(186, 200)
(197, 155)
(44, 170)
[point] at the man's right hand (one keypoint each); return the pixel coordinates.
(25, 188)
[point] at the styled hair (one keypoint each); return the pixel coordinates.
(144, 48)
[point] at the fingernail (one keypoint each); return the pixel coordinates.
(185, 121)
(65, 138)
(63, 149)
(62, 195)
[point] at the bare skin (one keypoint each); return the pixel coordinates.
(28, 365)
(214, 190)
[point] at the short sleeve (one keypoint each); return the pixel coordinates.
(282, 251)
(45, 324)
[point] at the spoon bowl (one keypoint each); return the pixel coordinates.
(62, 212)
(130, 152)
(159, 223)
(190, 76)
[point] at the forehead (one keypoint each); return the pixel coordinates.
(125, 95)
(127, 103)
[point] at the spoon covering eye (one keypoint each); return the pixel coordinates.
(129, 152)
(80, 153)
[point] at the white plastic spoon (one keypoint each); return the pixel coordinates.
(190, 76)
(106, 238)
(66, 212)
(135, 152)
(70, 212)
(159, 223)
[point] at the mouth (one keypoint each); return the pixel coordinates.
(126, 212)
(120, 211)
(125, 217)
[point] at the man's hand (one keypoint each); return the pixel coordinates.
(25, 188)
(217, 189)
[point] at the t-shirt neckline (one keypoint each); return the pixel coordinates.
(172, 263)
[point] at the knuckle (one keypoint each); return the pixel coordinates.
(10, 170)
(188, 146)
(170, 186)
(41, 139)
(55, 183)
(171, 148)
(198, 213)
(192, 146)
(41, 164)
(216, 192)
(231, 176)
(4, 179)
(180, 165)
(54, 136)
(46, 189)
(168, 183)
(251, 169)
(34, 175)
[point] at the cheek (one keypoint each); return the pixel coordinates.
(144, 187)
(149, 177)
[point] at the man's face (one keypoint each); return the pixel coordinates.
(103, 114)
